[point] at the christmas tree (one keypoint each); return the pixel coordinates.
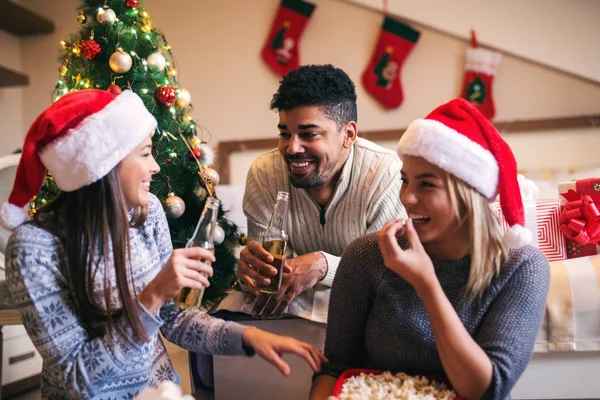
(117, 49)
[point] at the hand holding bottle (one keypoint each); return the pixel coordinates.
(182, 270)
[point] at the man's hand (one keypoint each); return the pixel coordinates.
(306, 271)
(253, 268)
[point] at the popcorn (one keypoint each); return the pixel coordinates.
(400, 386)
(167, 390)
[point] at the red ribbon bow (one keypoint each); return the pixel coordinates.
(580, 219)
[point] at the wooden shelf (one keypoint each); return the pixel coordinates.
(21, 22)
(12, 78)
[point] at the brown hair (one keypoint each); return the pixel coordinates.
(488, 251)
(95, 222)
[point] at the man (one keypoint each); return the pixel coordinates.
(341, 187)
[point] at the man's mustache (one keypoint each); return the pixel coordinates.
(293, 157)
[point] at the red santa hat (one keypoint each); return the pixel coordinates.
(79, 139)
(460, 140)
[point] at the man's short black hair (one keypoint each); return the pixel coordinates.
(318, 85)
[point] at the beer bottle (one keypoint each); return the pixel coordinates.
(274, 240)
(203, 237)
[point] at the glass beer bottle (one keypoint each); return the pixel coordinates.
(274, 240)
(203, 237)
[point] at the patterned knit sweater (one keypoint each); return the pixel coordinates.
(376, 319)
(113, 366)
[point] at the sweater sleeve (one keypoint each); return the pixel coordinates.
(351, 300)
(73, 360)
(508, 331)
(385, 204)
(193, 330)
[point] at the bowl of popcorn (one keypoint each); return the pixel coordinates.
(364, 384)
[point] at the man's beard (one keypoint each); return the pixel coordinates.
(316, 178)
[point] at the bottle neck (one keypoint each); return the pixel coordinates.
(205, 230)
(279, 217)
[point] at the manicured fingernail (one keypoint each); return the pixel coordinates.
(266, 281)
(273, 271)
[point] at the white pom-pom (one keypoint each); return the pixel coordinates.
(208, 154)
(12, 216)
(529, 190)
(517, 236)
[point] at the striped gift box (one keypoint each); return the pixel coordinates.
(572, 318)
(550, 239)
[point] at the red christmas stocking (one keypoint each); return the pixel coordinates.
(281, 49)
(382, 76)
(480, 69)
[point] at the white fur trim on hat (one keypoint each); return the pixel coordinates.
(96, 145)
(12, 216)
(517, 236)
(453, 152)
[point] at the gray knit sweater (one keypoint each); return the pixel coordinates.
(376, 319)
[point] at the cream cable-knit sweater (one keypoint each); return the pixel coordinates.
(366, 196)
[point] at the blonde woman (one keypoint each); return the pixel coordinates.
(451, 297)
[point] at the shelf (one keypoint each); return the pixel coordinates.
(12, 78)
(21, 22)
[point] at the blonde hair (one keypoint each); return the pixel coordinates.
(488, 251)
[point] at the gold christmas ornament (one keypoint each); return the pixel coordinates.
(106, 16)
(174, 206)
(184, 98)
(200, 193)
(63, 70)
(120, 61)
(156, 61)
(81, 17)
(213, 175)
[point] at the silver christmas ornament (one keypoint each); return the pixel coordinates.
(219, 234)
(213, 175)
(156, 61)
(184, 98)
(174, 206)
(120, 61)
(106, 16)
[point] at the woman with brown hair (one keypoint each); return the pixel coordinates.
(94, 273)
(443, 293)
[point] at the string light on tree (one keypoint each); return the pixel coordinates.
(81, 17)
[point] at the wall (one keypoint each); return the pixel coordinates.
(217, 42)
(11, 99)
(561, 34)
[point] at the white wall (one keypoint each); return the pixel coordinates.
(558, 33)
(11, 99)
(217, 43)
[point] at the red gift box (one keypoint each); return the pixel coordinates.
(580, 217)
(550, 239)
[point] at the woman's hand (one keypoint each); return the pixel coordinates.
(271, 347)
(182, 270)
(412, 264)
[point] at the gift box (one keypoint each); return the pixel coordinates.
(542, 218)
(580, 218)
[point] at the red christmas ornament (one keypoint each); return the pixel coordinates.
(132, 3)
(195, 154)
(166, 95)
(168, 160)
(114, 89)
(90, 49)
